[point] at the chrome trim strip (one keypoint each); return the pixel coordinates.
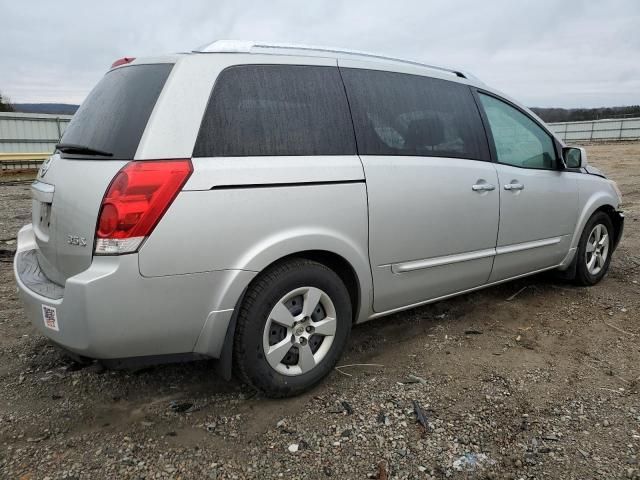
(439, 261)
(465, 257)
(518, 247)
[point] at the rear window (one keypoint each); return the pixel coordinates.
(401, 114)
(263, 110)
(115, 114)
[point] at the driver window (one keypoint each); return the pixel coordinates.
(519, 140)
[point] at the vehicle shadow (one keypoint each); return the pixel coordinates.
(199, 378)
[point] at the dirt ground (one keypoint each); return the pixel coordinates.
(530, 379)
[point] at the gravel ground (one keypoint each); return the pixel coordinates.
(531, 379)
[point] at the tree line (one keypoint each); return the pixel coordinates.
(584, 114)
(5, 104)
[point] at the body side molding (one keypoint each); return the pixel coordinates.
(467, 256)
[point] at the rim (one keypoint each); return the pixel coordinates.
(597, 249)
(299, 331)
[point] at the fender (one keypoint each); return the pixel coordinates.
(596, 200)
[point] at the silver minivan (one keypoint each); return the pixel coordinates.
(250, 202)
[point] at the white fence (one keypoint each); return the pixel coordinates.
(31, 132)
(598, 130)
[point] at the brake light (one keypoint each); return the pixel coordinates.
(122, 61)
(135, 201)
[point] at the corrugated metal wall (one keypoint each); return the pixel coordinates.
(30, 132)
(598, 130)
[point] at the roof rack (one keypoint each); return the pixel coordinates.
(248, 46)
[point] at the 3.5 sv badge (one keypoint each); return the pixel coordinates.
(76, 240)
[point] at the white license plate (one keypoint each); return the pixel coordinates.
(50, 317)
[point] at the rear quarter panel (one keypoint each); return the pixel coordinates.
(246, 213)
(212, 228)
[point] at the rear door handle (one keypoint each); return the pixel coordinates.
(514, 186)
(483, 187)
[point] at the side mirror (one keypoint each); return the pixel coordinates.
(574, 157)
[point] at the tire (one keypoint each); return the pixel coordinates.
(585, 275)
(278, 312)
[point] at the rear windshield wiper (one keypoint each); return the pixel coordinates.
(81, 150)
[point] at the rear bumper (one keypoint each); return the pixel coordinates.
(111, 311)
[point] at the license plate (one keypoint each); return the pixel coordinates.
(50, 317)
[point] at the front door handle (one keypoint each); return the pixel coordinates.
(514, 186)
(483, 187)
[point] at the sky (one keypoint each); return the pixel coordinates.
(544, 53)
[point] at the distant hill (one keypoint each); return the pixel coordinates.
(53, 108)
(583, 114)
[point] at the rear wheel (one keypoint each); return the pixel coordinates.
(292, 328)
(594, 250)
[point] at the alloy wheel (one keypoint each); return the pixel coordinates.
(597, 249)
(299, 331)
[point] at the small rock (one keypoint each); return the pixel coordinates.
(416, 379)
(293, 448)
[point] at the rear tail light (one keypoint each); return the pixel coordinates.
(135, 201)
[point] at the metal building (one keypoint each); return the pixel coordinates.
(30, 133)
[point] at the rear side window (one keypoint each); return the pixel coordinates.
(259, 110)
(400, 114)
(115, 114)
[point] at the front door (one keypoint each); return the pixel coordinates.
(538, 200)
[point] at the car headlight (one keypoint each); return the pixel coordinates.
(614, 185)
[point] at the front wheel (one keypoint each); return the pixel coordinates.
(292, 327)
(594, 250)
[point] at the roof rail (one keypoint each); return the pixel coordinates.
(248, 46)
